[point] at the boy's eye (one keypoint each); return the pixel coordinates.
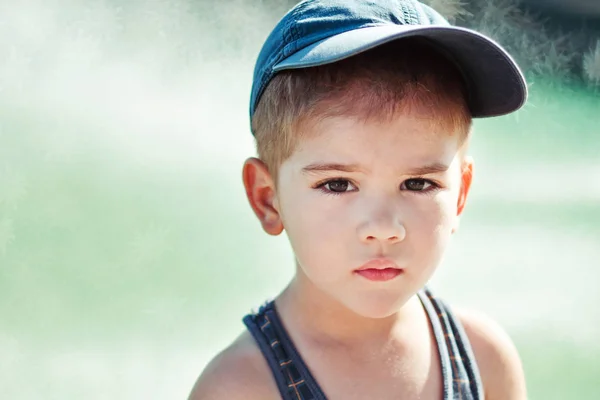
(416, 185)
(338, 186)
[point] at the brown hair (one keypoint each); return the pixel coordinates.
(400, 76)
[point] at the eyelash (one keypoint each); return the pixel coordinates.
(321, 186)
(432, 188)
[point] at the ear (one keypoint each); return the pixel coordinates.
(261, 193)
(465, 186)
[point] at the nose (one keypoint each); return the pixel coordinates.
(383, 226)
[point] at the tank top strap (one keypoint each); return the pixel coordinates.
(293, 377)
(461, 380)
(459, 369)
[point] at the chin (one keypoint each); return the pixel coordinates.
(377, 306)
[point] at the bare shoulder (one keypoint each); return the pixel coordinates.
(496, 355)
(238, 372)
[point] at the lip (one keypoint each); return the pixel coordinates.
(379, 270)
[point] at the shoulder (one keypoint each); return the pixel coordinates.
(496, 355)
(238, 372)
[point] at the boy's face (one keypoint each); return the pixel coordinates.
(353, 192)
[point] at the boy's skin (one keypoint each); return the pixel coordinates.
(404, 185)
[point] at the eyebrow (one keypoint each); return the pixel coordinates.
(429, 169)
(327, 167)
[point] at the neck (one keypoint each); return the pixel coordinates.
(305, 307)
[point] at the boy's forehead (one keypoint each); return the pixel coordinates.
(405, 139)
(400, 127)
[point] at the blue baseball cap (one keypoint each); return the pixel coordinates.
(319, 32)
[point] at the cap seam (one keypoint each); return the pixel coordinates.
(412, 12)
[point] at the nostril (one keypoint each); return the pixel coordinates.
(384, 234)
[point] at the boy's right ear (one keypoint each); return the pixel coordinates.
(260, 189)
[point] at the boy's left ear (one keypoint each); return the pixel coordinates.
(465, 186)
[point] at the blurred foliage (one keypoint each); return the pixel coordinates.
(591, 65)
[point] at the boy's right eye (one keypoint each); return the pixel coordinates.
(337, 186)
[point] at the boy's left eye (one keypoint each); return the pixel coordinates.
(417, 185)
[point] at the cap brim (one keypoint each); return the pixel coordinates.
(494, 82)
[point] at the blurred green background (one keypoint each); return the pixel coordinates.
(128, 254)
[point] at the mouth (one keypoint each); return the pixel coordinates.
(379, 270)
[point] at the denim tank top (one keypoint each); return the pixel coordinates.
(460, 375)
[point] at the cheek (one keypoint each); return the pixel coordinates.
(443, 207)
(433, 211)
(429, 226)
(317, 237)
(312, 216)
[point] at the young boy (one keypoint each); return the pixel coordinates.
(362, 114)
